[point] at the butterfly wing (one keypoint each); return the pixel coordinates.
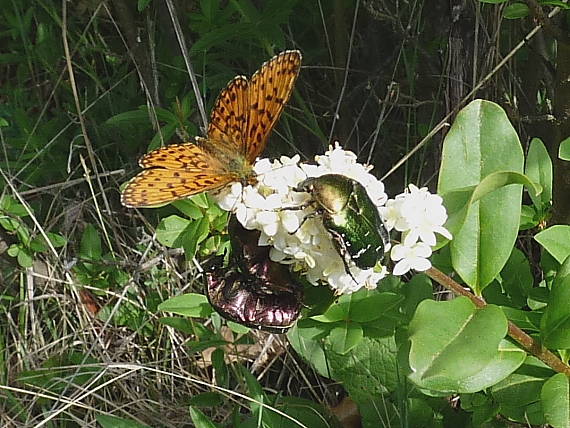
(269, 90)
(228, 120)
(246, 112)
(156, 186)
(174, 172)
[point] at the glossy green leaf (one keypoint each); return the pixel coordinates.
(555, 240)
(452, 342)
(188, 208)
(564, 149)
(458, 202)
(555, 396)
(191, 305)
(171, 230)
(345, 337)
(555, 324)
(538, 168)
(493, 1)
(516, 11)
(480, 143)
(523, 387)
(334, 313)
(508, 358)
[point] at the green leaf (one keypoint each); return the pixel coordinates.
(25, 258)
(108, 421)
(493, 1)
(555, 323)
(556, 3)
(133, 117)
(336, 312)
(555, 240)
(374, 306)
(188, 208)
(90, 246)
(9, 224)
(458, 202)
(200, 419)
(481, 142)
(418, 289)
(260, 413)
(555, 397)
(508, 358)
(14, 249)
(346, 337)
(529, 217)
(181, 324)
(452, 342)
(307, 412)
(519, 393)
(9, 205)
(539, 169)
(142, 4)
(171, 230)
(517, 278)
(191, 305)
(237, 328)
(56, 239)
(516, 11)
(564, 149)
(305, 338)
(369, 370)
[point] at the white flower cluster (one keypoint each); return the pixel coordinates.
(280, 213)
(418, 215)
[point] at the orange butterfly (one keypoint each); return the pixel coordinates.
(243, 116)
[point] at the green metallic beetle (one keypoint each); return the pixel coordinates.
(350, 216)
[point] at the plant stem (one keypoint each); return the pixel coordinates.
(527, 342)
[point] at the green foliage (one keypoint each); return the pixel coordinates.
(29, 242)
(482, 142)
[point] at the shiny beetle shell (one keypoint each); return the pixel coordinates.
(253, 290)
(351, 218)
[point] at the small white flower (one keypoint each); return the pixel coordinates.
(411, 257)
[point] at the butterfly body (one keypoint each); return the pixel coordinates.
(242, 119)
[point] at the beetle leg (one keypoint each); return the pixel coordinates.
(308, 216)
(341, 247)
